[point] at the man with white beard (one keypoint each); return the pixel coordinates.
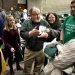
(31, 32)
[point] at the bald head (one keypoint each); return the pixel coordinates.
(35, 14)
(35, 10)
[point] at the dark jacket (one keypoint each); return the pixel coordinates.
(11, 39)
(1, 25)
(33, 43)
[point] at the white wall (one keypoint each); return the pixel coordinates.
(36, 3)
(55, 5)
(50, 5)
(21, 1)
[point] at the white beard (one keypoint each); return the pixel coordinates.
(37, 20)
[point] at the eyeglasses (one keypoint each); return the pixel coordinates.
(35, 14)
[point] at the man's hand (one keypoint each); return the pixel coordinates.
(34, 32)
(44, 34)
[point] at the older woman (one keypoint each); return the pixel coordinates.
(54, 22)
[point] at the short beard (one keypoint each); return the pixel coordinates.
(38, 20)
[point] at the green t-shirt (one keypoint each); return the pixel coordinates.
(68, 28)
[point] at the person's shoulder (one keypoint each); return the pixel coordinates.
(43, 20)
(69, 17)
(27, 21)
(5, 30)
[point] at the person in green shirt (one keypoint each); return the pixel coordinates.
(68, 27)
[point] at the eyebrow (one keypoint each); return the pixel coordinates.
(11, 20)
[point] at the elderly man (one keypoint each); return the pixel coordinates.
(32, 32)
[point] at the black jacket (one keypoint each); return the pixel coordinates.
(33, 43)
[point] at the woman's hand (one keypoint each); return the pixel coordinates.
(12, 50)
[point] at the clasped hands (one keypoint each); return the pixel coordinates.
(39, 34)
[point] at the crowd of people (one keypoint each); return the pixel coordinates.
(35, 30)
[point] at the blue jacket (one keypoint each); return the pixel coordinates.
(1, 25)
